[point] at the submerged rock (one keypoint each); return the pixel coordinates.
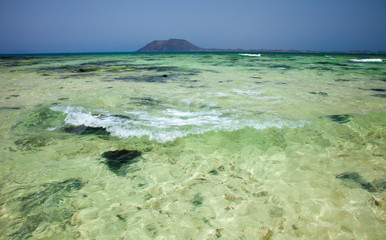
(324, 94)
(12, 96)
(343, 80)
(116, 159)
(85, 130)
(340, 118)
(197, 199)
(149, 78)
(10, 108)
(378, 90)
(358, 179)
(379, 95)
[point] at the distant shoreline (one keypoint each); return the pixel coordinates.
(219, 51)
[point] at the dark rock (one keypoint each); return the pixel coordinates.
(120, 217)
(350, 175)
(374, 201)
(280, 66)
(261, 194)
(324, 94)
(378, 90)
(165, 75)
(10, 108)
(343, 80)
(357, 178)
(332, 63)
(340, 118)
(150, 78)
(197, 199)
(379, 95)
(116, 159)
(85, 130)
(12, 96)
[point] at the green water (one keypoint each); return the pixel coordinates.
(278, 146)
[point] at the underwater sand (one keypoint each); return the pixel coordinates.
(226, 146)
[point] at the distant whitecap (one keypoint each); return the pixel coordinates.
(250, 54)
(367, 60)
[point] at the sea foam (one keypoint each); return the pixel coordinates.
(250, 54)
(367, 60)
(166, 125)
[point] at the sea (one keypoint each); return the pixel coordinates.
(193, 146)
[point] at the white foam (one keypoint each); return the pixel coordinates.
(246, 92)
(166, 125)
(367, 60)
(250, 54)
(217, 94)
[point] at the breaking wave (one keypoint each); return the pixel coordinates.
(166, 125)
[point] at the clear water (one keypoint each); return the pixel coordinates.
(277, 146)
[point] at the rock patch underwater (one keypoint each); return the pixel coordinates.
(115, 160)
(46, 204)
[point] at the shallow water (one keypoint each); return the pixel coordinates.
(229, 146)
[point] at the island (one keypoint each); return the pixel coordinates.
(171, 45)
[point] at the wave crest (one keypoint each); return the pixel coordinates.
(166, 125)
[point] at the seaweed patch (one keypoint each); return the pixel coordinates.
(48, 203)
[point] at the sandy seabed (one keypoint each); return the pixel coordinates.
(227, 146)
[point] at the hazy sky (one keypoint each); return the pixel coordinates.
(41, 26)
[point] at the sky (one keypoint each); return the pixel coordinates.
(59, 26)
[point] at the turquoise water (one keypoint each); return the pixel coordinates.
(192, 146)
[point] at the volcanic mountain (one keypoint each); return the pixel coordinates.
(171, 45)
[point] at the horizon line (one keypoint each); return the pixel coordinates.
(210, 50)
